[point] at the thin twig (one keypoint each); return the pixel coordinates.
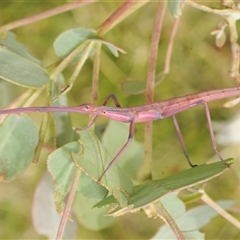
(231, 15)
(120, 14)
(234, 73)
(95, 77)
(205, 198)
(68, 204)
(150, 86)
(41, 136)
(222, 12)
(33, 96)
(64, 63)
(78, 68)
(46, 14)
(170, 45)
(166, 217)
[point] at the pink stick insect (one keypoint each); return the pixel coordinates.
(144, 113)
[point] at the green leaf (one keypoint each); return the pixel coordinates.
(62, 169)
(18, 66)
(44, 216)
(175, 7)
(154, 190)
(112, 47)
(64, 129)
(10, 42)
(173, 205)
(194, 235)
(90, 218)
(93, 162)
(71, 39)
(136, 87)
(170, 210)
(220, 39)
(201, 214)
(18, 140)
(187, 234)
(194, 218)
(90, 189)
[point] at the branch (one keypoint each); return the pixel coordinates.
(46, 14)
(150, 87)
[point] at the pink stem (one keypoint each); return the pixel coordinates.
(121, 13)
(170, 45)
(150, 86)
(68, 204)
(46, 14)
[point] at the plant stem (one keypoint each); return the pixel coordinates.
(68, 204)
(96, 68)
(150, 87)
(170, 45)
(82, 60)
(166, 217)
(120, 14)
(64, 63)
(205, 198)
(221, 12)
(95, 77)
(42, 134)
(46, 14)
(234, 72)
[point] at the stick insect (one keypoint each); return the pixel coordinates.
(143, 113)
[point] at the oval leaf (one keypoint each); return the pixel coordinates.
(62, 169)
(221, 39)
(175, 7)
(10, 42)
(71, 39)
(18, 140)
(94, 160)
(90, 218)
(45, 218)
(193, 219)
(18, 66)
(64, 130)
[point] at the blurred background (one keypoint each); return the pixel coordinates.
(197, 65)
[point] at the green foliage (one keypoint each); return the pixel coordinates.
(187, 221)
(17, 133)
(43, 207)
(76, 50)
(71, 39)
(175, 8)
(154, 190)
(92, 162)
(18, 66)
(93, 219)
(62, 169)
